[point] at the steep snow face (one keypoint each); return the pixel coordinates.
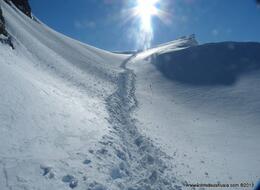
(52, 108)
(201, 105)
(62, 55)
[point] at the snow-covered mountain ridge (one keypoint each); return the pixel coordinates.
(76, 117)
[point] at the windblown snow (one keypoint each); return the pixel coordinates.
(76, 117)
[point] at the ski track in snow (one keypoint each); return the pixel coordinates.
(136, 164)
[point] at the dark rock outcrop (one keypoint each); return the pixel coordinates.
(4, 36)
(2, 24)
(22, 5)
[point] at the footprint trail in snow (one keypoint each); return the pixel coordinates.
(135, 162)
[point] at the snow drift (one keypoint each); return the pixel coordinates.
(210, 64)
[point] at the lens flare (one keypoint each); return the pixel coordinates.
(145, 9)
(140, 14)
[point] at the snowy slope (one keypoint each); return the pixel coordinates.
(66, 116)
(74, 116)
(201, 105)
(36, 37)
(52, 108)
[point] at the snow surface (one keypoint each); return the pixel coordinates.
(76, 117)
(201, 105)
(52, 109)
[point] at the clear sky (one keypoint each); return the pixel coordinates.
(106, 24)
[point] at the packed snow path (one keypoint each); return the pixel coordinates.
(141, 165)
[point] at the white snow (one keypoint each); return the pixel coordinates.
(208, 122)
(74, 116)
(52, 108)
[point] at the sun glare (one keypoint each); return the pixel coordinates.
(145, 9)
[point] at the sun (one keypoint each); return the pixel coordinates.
(145, 9)
(142, 13)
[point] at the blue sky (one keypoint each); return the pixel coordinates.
(101, 23)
